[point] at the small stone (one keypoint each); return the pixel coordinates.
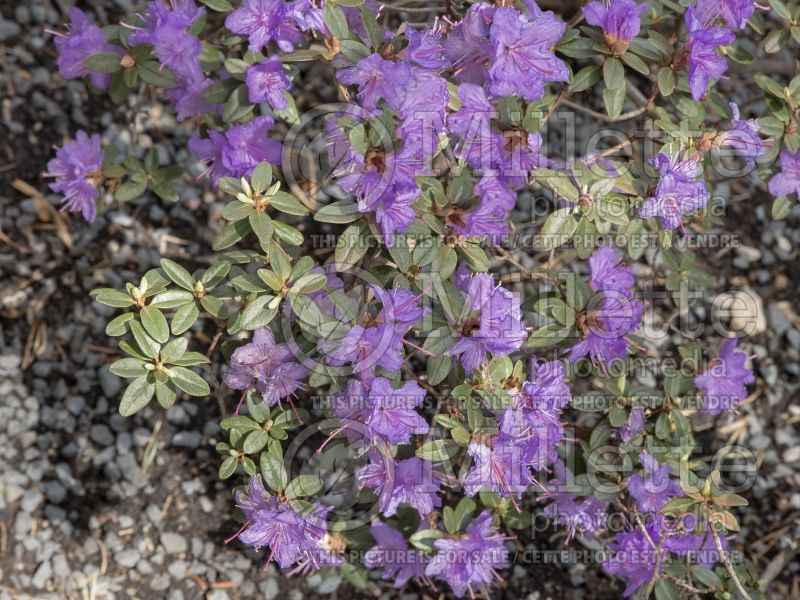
(54, 491)
(160, 582)
(792, 455)
(101, 434)
(127, 558)
(31, 500)
(42, 574)
(110, 383)
(269, 587)
(174, 543)
(187, 439)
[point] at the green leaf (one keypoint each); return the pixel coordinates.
(635, 63)
(303, 485)
(666, 590)
(261, 225)
(153, 73)
(614, 98)
(189, 381)
(190, 359)
(104, 62)
(373, 30)
(782, 207)
(174, 350)
(341, 212)
(585, 78)
(218, 5)
(166, 394)
(613, 73)
(287, 203)
(228, 467)
(273, 471)
(155, 323)
(255, 441)
(262, 177)
(558, 228)
(172, 299)
(184, 318)
(230, 235)
(424, 539)
(437, 450)
(437, 369)
(117, 326)
(178, 274)
(128, 367)
(146, 344)
(287, 234)
(112, 297)
(335, 20)
(257, 313)
(666, 81)
(137, 395)
(130, 190)
(350, 247)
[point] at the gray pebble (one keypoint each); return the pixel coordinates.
(174, 543)
(101, 434)
(31, 500)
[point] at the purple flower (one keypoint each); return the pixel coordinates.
(633, 559)
(501, 466)
(425, 49)
(724, 383)
(494, 323)
(468, 47)
(411, 481)
(788, 180)
(735, 13)
(522, 60)
(634, 425)
(77, 169)
(679, 191)
(392, 416)
(607, 272)
(533, 416)
(609, 318)
(188, 99)
(263, 21)
(470, 562)
(653, 490)
(377, 78)
(400, 563)
(267, 81)
(619, 19)
(239, 151)
(173, 45)
(704, 60)
(291, 537)
(82, 41)
(743, 137)
(586, 514)
(265, 366)
(636, 552)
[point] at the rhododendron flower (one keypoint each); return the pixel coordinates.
(291, 537)
(609, 319)
(735, 13)
(425, 49)
(586, 514)
(377, 79)
(523, 61)
(391, 551)
(620, 21)
(240, 150)
(634, 425)
(679, 191)
(705, 62)
(743, 137)
(188, 98)
(265, 366)
(166, 29)
(468, 47)
(494, 324)
(267, 81)
(392, 416)
(788, 180)
(77, 171)
(264, 21)
(470, 562)
(724, 382)
(499, 466)
(411, 481)
(608, 272)
(654, 489)
(82, 41)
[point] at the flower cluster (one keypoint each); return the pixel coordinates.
(452, 393)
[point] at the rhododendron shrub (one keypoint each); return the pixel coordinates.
(472, 381)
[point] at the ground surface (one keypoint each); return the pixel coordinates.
(81, 518)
